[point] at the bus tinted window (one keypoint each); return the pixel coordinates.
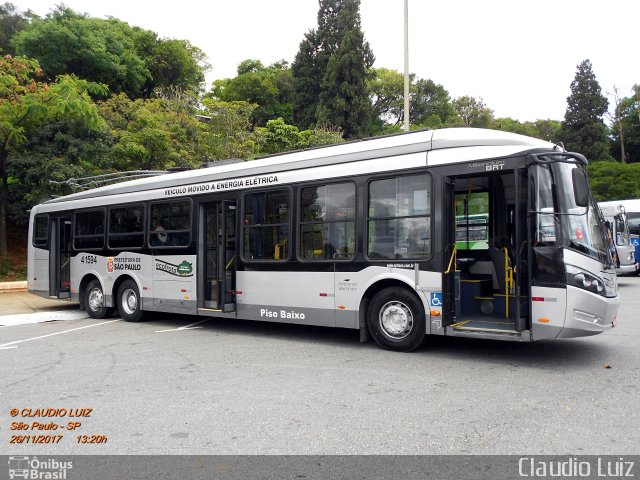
(89, 230)
(399, 223)
(41, 231)
(328, 222)
(126, 227)
(170, 224)
(266, 225)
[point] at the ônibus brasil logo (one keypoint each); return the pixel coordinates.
(184, 269)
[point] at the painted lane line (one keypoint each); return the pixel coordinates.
(7, 348)
(186, 327)
(57, 333)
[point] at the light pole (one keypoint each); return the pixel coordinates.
(406, 65)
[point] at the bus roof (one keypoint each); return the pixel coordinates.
(632, 205)
(493, 143)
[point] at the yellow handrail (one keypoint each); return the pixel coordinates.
(508, 279)
(453, 260)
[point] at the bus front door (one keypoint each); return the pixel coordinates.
(218, 254)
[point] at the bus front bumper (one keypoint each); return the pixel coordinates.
(588, 313)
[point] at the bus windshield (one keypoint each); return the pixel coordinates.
(581, 227)
(622, 229)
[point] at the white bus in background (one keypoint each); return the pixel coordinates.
(615, 216)
(373, 235)
(632, 207)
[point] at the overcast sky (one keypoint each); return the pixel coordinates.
(519, 56)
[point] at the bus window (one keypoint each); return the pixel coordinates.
(41, 231)
(126, 227)
(170, 224)
(399, 223)
(89, 230)
(472, 221)
(266, 225)
(327, 224)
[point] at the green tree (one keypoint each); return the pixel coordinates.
(229, 132)
(27, 103)
(127, 59)
(11, 22)
(152, 134)
(386, 91)
(610, 180)
(343, 98)
(583, 129)
(57, 150)
(473, 112)
(176, 64)
(270, 88)
(330, 71)
(280, 137)
(430, 105)
(98, 50)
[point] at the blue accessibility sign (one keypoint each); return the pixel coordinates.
(435, 299)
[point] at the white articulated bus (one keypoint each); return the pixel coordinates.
(459, 232)
(617, 225)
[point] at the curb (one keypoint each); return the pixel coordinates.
(10, 287)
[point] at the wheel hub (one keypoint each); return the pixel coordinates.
(96, 299)
(129, 301)
(396, 320)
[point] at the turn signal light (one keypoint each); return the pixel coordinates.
(544, 320)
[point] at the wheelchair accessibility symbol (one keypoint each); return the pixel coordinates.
(435, 299)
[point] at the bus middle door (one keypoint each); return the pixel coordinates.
(218, 254)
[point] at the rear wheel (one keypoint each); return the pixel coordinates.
(94, 301)
(129, 304)
(396, 320)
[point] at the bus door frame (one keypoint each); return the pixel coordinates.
(59, 227)
(450, 273)
(225, 248)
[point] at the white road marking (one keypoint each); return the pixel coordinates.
(40, 317)
(56, 333)
(186, 327)
(7, 348)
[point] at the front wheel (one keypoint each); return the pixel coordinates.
(94, 301)
(129, 304)
(396, 320)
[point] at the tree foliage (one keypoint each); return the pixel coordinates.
(583, 128)
(473, 112)
(11, 22)
(330, 71)
(611, 180)
(281, 137)
(127, 59)
(27, 103)
(270, 88)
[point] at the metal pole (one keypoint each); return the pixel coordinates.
(406, 65)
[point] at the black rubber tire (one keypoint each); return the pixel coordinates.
(94, 301)
(408, 332)
(129, 302)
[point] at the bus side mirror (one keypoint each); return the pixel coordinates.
(580, 187)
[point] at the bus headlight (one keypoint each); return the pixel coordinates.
(577, 277)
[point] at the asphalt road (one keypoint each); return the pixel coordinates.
(235, 387)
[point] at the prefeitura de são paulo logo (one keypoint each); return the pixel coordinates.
(38, 468)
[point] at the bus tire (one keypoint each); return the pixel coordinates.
(396, 320)
(94, 301)
(129, 302)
